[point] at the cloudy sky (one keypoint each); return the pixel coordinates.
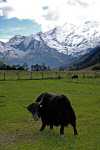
(25, 17)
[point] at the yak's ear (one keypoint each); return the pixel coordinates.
(39, 103)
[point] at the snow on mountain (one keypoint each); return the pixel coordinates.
(28, 40)
(71, 40)
(55, 47)
(16, 40)
(2, 47)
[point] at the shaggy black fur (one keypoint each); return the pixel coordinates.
(54, 110)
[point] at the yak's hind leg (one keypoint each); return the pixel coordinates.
(74, 126)
(62, 129)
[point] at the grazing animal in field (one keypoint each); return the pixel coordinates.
(75, 76)
(54, 110)
(59, 77)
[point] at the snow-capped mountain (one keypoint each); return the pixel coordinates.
(56, 47)
(72, 40)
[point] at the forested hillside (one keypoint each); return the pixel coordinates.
(87, 60)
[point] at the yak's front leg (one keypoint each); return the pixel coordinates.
(62, 129)
(43, 126)
(51, 126)
(75, 131)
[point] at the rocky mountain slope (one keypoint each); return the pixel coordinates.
(56, 47)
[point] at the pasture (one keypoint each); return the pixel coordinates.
(18, 130)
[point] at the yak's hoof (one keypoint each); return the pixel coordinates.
(75, 133)
(41, 129)
(51, 127)
(61, 132)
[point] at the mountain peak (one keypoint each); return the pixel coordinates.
(16, 39)
(92, 24)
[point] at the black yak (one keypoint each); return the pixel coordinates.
(75, 76)
(54, 110)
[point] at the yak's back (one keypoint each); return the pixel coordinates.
(44, 97)
(59, 103)
(54, 100)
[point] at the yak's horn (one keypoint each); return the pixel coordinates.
(24, 106)
(40, 101)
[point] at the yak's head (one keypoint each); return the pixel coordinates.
(34, 109)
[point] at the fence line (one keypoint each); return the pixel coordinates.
(40, 75)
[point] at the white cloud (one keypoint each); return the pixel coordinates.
(51, 13)
(4, 40)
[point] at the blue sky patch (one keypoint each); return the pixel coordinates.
(45, 7)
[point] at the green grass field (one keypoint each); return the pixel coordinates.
(18, 130)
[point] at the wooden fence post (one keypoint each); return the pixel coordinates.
(69, 74)
(95, 74)
(18, 75)
(66, 75)
(83, 75)
(56, 74)
(31, 75)
(4, 76)
(42, 75)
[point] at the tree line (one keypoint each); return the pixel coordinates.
(36, 67)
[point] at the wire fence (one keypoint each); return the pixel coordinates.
(40, 75)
